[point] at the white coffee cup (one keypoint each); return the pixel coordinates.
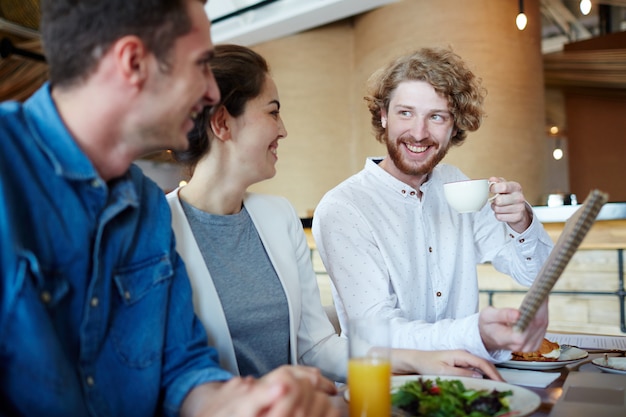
(467, 196)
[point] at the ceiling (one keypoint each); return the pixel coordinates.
(254, 21)
(563, 22)
(248, 22)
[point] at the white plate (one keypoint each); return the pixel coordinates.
(614, 366)
(571, 355)
(523, 401)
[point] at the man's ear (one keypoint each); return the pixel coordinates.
(383, 118)
(220, 123)
(132, 59)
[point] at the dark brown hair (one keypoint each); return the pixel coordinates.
(77, 33)
(240, 74)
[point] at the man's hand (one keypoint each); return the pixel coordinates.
(509, 205)
(496, 329)
(314, 375)
(288, 391)
(306, 393)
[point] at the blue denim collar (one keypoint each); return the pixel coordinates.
(44, 121)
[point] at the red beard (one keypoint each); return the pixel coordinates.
(410, 167)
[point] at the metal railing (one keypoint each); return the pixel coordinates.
(620, 293)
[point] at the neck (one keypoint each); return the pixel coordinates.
(214, 188)
(96, 127)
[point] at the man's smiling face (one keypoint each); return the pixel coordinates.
(418, 128)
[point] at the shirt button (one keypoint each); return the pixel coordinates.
(95, 183)
(521, 240)
(127, 295)
(529, 259)
(90, 382)
(412, 193)
(45, 297)
(438, 293)
(403, 191)
(511, 236)
(430, 249)
(94, 302)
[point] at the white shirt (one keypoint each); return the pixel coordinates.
(413, 261)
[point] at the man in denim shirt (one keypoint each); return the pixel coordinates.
(96, 316)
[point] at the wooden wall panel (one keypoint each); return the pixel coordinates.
(597, 142)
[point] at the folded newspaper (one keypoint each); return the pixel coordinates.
(576, 228)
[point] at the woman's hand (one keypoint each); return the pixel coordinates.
(442, 362)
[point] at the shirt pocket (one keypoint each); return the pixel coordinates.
(138, 330)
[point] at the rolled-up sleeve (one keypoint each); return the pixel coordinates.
(188, 359)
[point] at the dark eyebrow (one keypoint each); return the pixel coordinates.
(403, 106)
(208, 56)
(275, 102)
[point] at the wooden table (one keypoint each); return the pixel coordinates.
(548, 395)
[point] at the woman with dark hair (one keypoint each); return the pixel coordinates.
(247, 256)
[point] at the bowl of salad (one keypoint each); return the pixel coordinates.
(441, 396)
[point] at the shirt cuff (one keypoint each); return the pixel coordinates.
(479, 349)
(177, 392)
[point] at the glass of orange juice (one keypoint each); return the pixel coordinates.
(369, 368)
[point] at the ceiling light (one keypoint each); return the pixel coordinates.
(558, 152)
(521, 19)
(585, 6)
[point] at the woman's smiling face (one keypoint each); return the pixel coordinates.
(257, 132)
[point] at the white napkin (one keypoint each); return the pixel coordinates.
(528, 378)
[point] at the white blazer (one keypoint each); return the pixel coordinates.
(312, 337)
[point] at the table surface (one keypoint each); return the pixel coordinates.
(548, 395)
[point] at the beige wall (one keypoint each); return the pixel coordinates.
(321, 75)
(313, 72)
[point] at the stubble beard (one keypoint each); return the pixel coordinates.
(393, 149)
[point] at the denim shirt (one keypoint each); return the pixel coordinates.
(96, 314)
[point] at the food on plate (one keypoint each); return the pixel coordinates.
(428, 398)
(547, 352)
